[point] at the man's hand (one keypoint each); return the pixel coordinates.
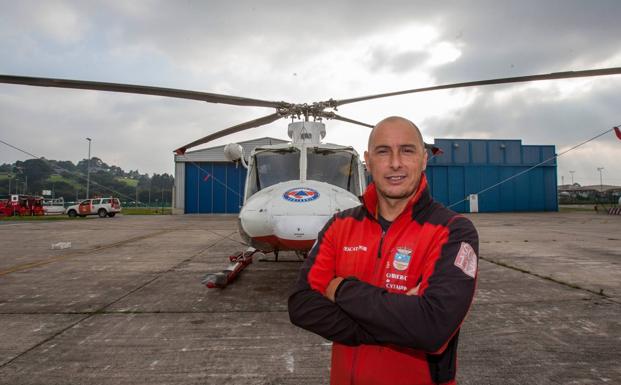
(413, 291)
(332, 286)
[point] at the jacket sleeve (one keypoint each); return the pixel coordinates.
(310, 310)
(427, 321)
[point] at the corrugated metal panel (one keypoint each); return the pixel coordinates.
(471, 166)
(548, 152)
(478, 149)
(213, 188)
(461, 151)
(531, 154)
(532, 191)
(216, 187)
(513, 152)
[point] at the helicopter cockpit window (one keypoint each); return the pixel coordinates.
(276, 166)
(336, 167)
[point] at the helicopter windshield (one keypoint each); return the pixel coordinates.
(275, 166)
(336, 167)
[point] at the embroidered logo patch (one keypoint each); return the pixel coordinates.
(402, 257)
(466, 260)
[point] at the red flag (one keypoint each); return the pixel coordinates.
(618, 132)
(436, 151)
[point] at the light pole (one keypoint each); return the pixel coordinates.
(601, 184)
(88, 169)
(572, 177)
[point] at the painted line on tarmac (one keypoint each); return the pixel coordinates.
(47, 261)
(548, 278)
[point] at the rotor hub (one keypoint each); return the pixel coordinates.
(315, 110)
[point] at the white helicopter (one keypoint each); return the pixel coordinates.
(291, 189)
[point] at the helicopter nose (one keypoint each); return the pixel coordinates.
(298, 227)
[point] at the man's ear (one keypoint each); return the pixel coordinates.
(366, 160)
(425, 158)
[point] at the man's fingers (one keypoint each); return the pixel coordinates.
(413, 291)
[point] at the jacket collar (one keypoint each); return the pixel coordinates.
(420, 199)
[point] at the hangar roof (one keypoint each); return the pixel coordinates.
(216, 154)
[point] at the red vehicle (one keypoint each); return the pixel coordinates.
(23, 205)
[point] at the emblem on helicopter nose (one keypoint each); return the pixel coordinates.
(301, 194)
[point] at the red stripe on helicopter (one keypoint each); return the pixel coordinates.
(285, 244)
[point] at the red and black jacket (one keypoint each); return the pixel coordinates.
(381, 335)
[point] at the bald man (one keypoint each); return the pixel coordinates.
(390, 281)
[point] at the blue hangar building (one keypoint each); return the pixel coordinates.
(205, 182)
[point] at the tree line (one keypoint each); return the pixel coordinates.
(68, 180)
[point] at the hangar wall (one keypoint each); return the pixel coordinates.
(469, 166)
(206, 183)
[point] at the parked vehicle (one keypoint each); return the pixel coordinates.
(54, 206)
(104, 207)
(24, 205)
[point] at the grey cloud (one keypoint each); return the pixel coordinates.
(253, 48)
(400, 62)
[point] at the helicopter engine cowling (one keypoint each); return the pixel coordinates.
(289, 215)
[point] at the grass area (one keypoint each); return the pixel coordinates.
(63, 217)
(571, 208)
(147, 211)
(585, 208)
(55, 178)
(128, 181)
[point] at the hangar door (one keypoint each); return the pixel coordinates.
(214, 187)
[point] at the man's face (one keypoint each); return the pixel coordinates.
(396, 158)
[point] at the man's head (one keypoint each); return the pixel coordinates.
(396, 158)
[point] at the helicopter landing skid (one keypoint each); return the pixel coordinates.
(238, 262)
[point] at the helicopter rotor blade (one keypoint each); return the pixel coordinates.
(518, 79)
(137, 89)
(231, 130)
(332, 115)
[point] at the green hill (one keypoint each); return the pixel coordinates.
(68, 180)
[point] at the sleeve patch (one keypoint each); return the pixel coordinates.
(466, 260)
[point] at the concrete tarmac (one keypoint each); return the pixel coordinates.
(124, 305)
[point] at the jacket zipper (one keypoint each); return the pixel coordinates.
(378, 260)
(379, 250)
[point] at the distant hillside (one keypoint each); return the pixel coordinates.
(68, 180)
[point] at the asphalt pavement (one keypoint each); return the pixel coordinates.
(124, 304)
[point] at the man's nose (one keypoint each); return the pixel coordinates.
(395, 160)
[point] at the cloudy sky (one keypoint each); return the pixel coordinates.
(306, 51)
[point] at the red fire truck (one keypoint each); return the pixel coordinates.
(23, 205)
